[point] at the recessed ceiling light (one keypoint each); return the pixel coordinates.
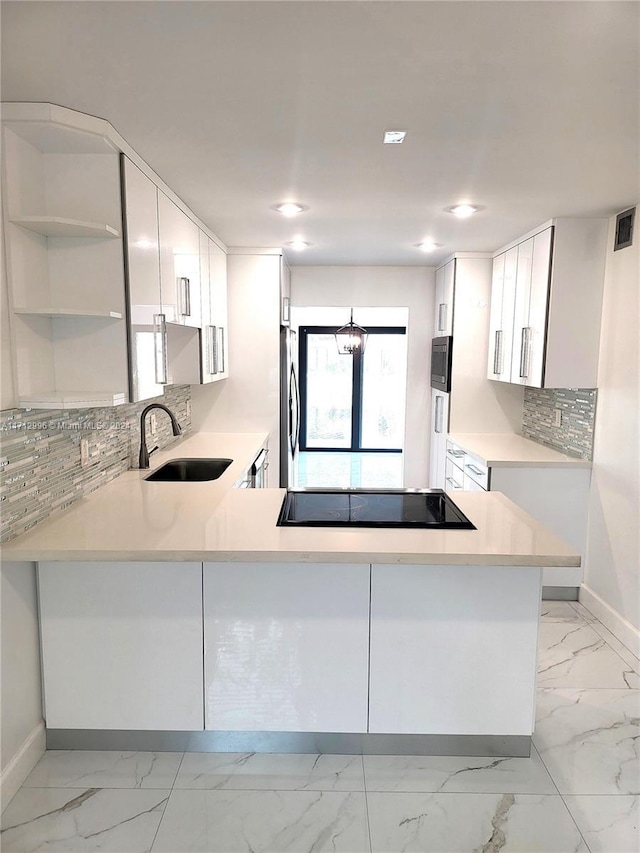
(428, 246)
(462, 210)
(289, 208)
(394, 137)
(298, 245)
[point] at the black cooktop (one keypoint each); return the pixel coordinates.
(411, 508)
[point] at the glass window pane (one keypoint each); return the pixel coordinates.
(329, 390)
(383, 391)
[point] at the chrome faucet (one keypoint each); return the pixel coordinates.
(144, 453)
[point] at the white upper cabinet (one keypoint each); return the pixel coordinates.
(214, 338)
(65, 274)
(529, 327)
(179, 264)
(445, 278)
(148, 352)
(285, 293)
(558, 275)
(94, 240)
(503, 295)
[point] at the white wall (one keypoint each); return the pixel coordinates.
(612, 575)
(376, 287)
(22, 734)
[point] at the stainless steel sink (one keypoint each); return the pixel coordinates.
(190, 470)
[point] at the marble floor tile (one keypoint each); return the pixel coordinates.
(74, 768)
(626, 654)
(264, 822)
(39, 819)
(434, 773)
(581, 610)
(608, 824)
(283, 772)
(461, 823)
(572, 654)
(559, 611)
(588, 739)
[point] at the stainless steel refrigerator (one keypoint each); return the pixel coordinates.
(289, 406)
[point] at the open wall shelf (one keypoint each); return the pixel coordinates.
(56, 399)
(59, 226)
(69, 313)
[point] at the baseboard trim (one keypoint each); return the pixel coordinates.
(22, 764)
(294, 742)
(560, 593)
(620, 627)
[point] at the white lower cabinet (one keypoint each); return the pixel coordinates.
(286, 646)
(453, 649)
(122, 645)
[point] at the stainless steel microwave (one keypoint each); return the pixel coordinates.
(441, 351)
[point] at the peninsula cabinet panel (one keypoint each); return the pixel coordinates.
(453, 649)
(122, 645)
(286, 646)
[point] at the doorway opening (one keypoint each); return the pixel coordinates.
(352, 409)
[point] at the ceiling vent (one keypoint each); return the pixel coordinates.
(624, 229)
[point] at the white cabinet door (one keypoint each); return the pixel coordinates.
(538, 306)
(503, 289)
(530, 315)
(439, 428)
(213, 340)
(445, 278)
(285, 293)
(440, 635)
(148, 341)
(122, 645)
(179, 264)
(286, 647)
(219, 311)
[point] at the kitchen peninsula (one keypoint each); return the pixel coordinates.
(314, 639)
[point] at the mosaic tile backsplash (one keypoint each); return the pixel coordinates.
(578, 406)
(40, 469)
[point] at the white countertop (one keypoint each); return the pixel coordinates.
(508, 450)
(130, 519)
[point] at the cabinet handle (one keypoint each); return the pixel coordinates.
(160, 348)
(185, 285)
(524, 351)
(286, 309)
(439, 414)
(442, 316)
(475, 470)
(453, 482)
(497, 353)
(455, 453)
(221, 348)
(213, 355)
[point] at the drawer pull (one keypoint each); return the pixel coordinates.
(475, 470)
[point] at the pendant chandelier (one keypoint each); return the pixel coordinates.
(351, 338)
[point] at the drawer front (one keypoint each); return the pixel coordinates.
(476, 471)
(453, 477)
(470, 485)
(455, 454)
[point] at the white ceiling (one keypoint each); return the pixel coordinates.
(529, 109)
